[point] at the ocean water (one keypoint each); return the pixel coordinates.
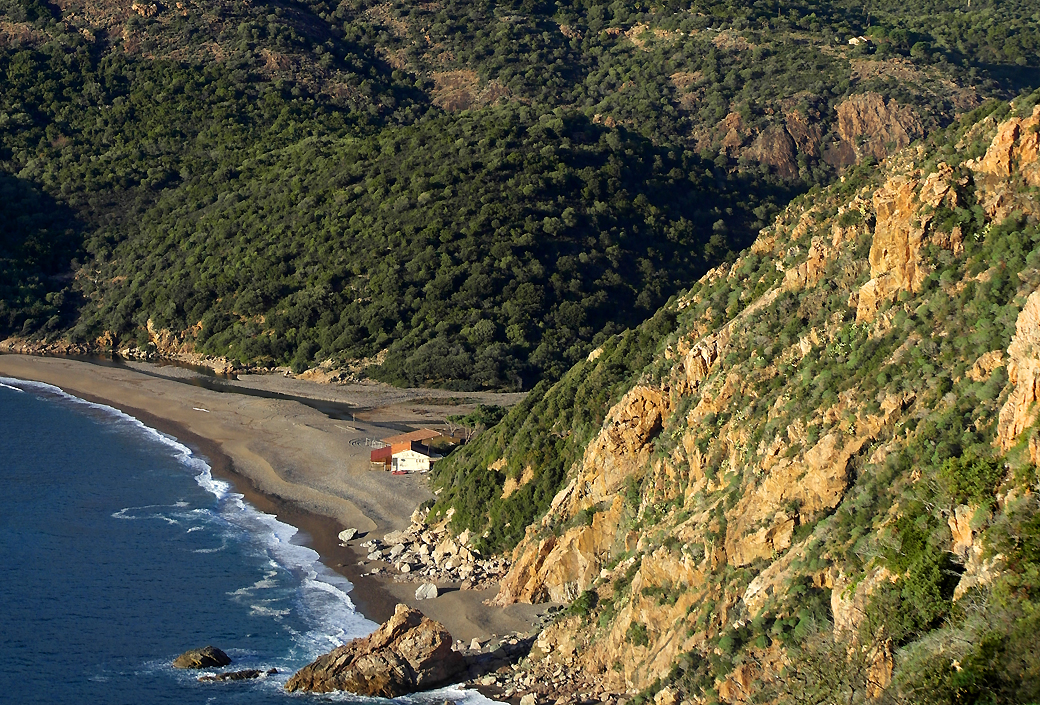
(119, 551)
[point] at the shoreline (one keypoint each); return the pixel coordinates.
(293, 462)
(315, 531)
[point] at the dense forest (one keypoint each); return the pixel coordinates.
(480, 193)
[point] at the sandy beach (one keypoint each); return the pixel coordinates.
(303, 456)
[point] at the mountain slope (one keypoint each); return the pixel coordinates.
(823, 484)
(463, 194)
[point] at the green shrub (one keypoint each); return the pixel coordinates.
(637, 634)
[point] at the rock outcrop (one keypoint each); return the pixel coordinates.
(559, 569)
(408, 653)
(1014, 152)
(870, 126)
(1020, 410)
(206, 657)
(244, 675)
(895, 251)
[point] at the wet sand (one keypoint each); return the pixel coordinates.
(294, 461)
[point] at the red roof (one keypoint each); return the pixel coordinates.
(423, 434)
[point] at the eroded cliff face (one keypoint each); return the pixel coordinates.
(758, 472)
(1020, 410)
(1010, 162)
(870, 126)
(862, 125)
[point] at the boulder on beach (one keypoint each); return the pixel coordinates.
(206, 657)
(347, 535)
(408, 653)
(426, 591)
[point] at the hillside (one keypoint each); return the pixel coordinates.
(815, 477)
(458, 194)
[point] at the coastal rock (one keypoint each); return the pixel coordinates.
(247, 674)
(426, 591)
(408, 653)
(206, 657)
(347, 535)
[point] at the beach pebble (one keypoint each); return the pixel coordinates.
(397, 550)
(426, 591)
(529, 699)
(475, 645)
(375, 555)
(405, 568)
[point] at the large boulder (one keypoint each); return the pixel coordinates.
(426, 591)
(206, 657)
(407, 654)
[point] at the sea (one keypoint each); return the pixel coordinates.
(119, 551)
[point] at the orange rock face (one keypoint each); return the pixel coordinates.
(1015, 150)
(895, 252)
(559, 569)
(1020, 411)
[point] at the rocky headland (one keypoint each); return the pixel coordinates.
(850, 402)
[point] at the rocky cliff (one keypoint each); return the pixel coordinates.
(821, 481)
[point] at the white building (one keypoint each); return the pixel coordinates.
(412, 461)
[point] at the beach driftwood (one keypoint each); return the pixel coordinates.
(408, 653)
(206, 657)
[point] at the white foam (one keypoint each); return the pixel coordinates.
(452, 693)
(322, 596)
(223, 545)
(8, 386)
(122, 513)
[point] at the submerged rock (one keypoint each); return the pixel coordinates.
(408, 653)
(206, 657)
(247, 674)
